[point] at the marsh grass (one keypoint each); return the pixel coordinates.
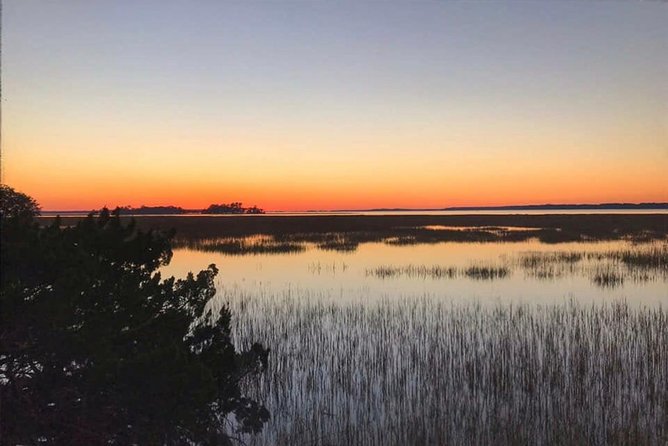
(242, 246)
(656, 257)
(606, 268)
(328, 267)
(481, 272)
(477, 272)
(608, 278)
(533, 259)
(549, 265)
(413, 271)
(278, 234)
(424, 370)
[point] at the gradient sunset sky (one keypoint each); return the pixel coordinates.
(301, 105)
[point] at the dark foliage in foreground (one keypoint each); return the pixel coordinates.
(95, 348)
(17, 205)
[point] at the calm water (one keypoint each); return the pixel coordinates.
(353, 275)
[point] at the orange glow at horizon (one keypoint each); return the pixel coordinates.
(153, 171)
(336, 173)
(85, 187)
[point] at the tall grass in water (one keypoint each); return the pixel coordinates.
(481, 272)
(429, 371)
(655, 257)
(608, 278)
(478, 272)
(607, 269)
(413, 271)
(257, 244)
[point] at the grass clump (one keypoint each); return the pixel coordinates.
(477, 272)
(481, 272)
(243, 246)
(656, 257)
(608, 279)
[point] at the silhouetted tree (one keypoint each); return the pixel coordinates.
(95, 348)
(17, 205)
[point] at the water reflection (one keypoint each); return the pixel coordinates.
(527, 271)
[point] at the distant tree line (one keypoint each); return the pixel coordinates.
(225, 208)
(152, 210)
(232, 208)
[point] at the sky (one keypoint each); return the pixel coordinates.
(334, 105)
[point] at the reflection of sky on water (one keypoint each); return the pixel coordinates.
(345, 275)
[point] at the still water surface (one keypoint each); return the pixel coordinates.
(355, 275)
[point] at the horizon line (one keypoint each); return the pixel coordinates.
(565, 206)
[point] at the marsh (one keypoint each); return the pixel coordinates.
(514, 328)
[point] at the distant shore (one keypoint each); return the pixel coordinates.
(173, 210)
(546, 207)
(562, 227)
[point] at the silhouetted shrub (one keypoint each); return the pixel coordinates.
(95, 348)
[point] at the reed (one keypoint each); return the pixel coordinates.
(425, 370)
(241, 246)
(608, 279)
(478, 272)
(656, 257)
(482, 272)
(606, 268)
